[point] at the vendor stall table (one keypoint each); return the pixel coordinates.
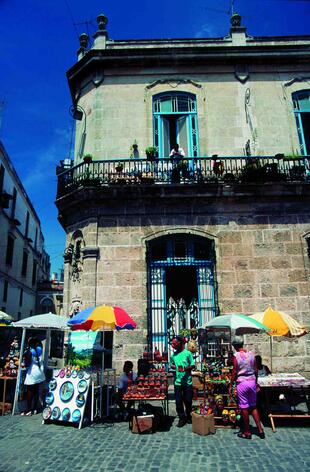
(289, 385)
(3, 405)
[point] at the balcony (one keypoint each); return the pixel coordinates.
(202, 171)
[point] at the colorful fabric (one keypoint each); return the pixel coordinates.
(280, 323)
(245, 366)
(181, 360)
(102, 318)
(246, 394)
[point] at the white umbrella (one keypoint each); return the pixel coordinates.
(5, 317)
(241, 324)
(47, 320)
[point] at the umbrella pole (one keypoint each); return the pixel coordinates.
(22, 347)
(271, 353)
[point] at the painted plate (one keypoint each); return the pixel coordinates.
(68, 373)
(74, 374)
(66, 391)
(87, 375)
(46, 413)
(56, 372)
(56, 413)
(80, 400)
(80, 374)
(66, 413)
(82, 386)
(62, 373)
(49, 398)
(53, 384)
(76, 416)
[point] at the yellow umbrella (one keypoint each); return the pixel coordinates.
(280, 324)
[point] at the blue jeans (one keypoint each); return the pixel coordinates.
(183, 397)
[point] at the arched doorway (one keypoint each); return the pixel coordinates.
(181, 285)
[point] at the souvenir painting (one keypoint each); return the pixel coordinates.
(47, 413)
(80, 400)
(49, 398)
(66, 413)
(76, 416)
(80, 374)
(56, 413)
(62, 373)
(82, 386)
(66, 391)
(53, 384)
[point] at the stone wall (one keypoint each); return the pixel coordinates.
(261, 259)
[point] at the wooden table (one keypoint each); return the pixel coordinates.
(287, 384)
(5, 379)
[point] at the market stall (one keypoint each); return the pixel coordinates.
(290, 389)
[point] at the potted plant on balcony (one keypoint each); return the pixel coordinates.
(150, 153)
(88, 158)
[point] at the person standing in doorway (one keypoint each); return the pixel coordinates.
(182, 362)
(245, 375)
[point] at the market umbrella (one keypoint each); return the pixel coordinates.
(5, 319)
(46, 320)
(280, 324)
(241, 324)
(100, 318)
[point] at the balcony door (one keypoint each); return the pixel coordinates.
(175, 121)
(301, 101)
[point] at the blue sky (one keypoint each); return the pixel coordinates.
(39, 43)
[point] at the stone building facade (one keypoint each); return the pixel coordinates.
(227, 229)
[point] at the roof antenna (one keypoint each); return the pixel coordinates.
(232, 7)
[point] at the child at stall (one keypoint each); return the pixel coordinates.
(128, 377)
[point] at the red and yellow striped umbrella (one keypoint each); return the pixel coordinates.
(99, 318)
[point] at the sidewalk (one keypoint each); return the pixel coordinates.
(28, 446)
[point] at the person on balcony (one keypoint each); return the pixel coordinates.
(182, 363)
(177, 152)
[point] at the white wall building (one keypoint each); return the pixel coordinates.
(23, 260)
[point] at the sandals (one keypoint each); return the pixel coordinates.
(244, 435)
(26, 413)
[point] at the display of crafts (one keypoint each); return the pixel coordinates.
(154, 385)
(66, 398)
(12, 360)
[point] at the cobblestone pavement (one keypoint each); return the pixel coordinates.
(28, 446)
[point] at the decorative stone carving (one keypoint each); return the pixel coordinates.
(173, 82)
(242, 73)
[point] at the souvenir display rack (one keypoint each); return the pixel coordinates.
(213, 383)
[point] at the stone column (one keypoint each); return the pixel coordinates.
(90, 258)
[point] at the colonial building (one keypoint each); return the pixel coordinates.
(23, 259)
(177, 241)
(50, 295)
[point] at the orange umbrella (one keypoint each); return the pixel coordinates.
(280, 324)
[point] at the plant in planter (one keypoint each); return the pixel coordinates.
(150, 153)
(88, 158)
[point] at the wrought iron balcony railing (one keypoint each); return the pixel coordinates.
(202, 170)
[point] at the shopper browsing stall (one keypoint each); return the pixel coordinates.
(245, 375)
(182, 362)
(127, 378)
(34, 374)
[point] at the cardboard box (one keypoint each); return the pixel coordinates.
(203, 425)
(143, 424)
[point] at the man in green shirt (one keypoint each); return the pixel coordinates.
(182, 362)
